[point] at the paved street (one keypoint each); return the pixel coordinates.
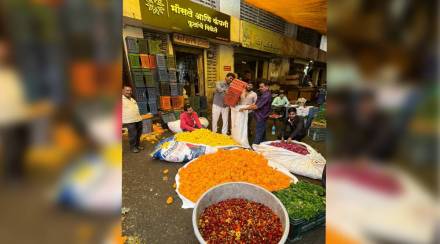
(145, 192)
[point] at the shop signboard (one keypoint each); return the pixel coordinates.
(184, 16)
(226, 68)
(190, 41)
(255, 37)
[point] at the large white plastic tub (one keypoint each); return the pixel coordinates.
(245, 191)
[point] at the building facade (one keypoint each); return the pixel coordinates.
(209, 38)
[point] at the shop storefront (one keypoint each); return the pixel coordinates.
(179, 40)
(189, 53)
(251, 65)
(259, 57)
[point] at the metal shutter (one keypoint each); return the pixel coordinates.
(261, 18)
(214, 4)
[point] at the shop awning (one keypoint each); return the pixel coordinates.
(307, 13)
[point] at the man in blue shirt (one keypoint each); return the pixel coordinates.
(261, 112)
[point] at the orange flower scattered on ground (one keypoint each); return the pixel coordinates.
(170, 200)
(228, 166)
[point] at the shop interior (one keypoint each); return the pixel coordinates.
(189, 67)
(250, 65)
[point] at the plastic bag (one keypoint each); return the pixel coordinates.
(174, 126)
(310, 165)
(172, 151)
(239, 125)
(91, 185)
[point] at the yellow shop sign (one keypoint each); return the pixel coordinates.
(255, 37)
(186, 17)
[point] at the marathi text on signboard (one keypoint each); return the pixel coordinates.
(190, 41)
(186, 17)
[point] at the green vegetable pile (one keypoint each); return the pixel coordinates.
(303, 200)
(320, 116)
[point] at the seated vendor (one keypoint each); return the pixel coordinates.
(293, 128)
(189, 120)
(279, 103)
(281, 100)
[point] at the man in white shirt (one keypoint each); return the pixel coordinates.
(131, 119)
(249, 97)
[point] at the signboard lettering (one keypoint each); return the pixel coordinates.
(186, 17)
(190, 41)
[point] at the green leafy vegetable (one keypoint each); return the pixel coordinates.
(303, 200)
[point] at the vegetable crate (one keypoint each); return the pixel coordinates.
(234, 91)
(132, 45)
(138, 78)
(162, 74)
(135, 61)
(143, 45)
(146, 126)
(239, 84)
(149, 75)
(154, 46)
(168, 117)
(177, 102)
(152, 61)
(318, 134)
(231, 99)
(299, 227)
(152, 94)
(161, 61)
(145, 61)
(141, 95)
(172, 75)
(165, 89)
(153, 107)
(174, 91)
(165, 102)
(143, 108)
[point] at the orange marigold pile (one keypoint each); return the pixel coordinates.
(229, 166)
